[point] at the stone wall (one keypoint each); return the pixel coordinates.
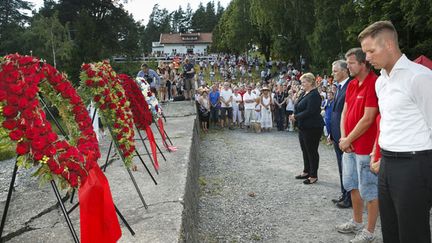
(190, 211)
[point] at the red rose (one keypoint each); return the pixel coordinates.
(25, 60)
(16, 88)
(112, 106)
(37, 155)
(101, 83)
(23, 102)
(12, 99)
(90, 73)
(103, 107)
(10, 111)
(62, 86)
(69, 92)
(22, 148)
(119, 136)
(38, 144)
(73, 180)
(10, 124)
(97, 98)
(50, 151)
(31, 91)
(2, 95)
(85, 66)
(52, 137)
(116, 125)
(89, 82)
(75, 99)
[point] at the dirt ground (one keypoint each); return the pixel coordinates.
(249, 193)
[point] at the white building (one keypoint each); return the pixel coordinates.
(182, 43)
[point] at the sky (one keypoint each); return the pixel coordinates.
(141, 9)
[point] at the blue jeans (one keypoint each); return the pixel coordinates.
(356, 174)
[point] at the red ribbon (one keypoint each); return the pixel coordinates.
(152, 141)
(162, 132)
(98, 217)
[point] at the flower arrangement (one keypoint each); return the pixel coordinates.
(100, 83)
(21, 79)
(140, 109)
(150, 98)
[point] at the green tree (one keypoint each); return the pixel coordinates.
(49, 39)
(12, 25)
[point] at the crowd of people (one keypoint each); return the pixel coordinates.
(380, 128)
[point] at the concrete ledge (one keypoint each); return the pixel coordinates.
(191, 196)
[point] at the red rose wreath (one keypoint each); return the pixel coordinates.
(100, 83)
(72, 163)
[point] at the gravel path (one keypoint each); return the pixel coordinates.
(249, 194)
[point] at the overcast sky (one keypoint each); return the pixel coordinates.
(141, 9)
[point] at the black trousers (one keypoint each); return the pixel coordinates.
(280, 117)
(345, 195)
(309, 142)
(405, 198)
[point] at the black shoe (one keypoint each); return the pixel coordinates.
(343, 204)
(310, 181)
(302, 176)
(340, 199)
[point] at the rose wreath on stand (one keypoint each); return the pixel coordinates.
(72, 163)
(100, 83)
(155, 109)
(140, 110)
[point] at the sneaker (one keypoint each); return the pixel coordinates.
(349, 227)
(363, 236)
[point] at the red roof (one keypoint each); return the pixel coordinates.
(424, 61)
(186, 38)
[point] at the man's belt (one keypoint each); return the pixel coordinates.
(409, 154)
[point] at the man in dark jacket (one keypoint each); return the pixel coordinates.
(341, 76)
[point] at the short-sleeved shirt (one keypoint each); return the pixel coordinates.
(247, 96)
(226, 95)
(214, 97)
(358, 97)
(187, 68)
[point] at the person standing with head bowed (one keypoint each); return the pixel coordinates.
(307, 115)
(405, 102)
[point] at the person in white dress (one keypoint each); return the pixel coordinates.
(266, 115)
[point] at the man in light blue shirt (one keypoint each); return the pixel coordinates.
(150, 75)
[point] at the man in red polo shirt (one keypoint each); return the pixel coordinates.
(358, 134)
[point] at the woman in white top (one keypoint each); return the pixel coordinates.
(204, 109)
(237, 99)
(266, 115)
(290, 110)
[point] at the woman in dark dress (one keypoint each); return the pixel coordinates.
(307, 115)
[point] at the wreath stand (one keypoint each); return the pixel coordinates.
(164, 133)
(107, 162)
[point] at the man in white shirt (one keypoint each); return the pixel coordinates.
(249, 105)
(405, 103)
(226, 98)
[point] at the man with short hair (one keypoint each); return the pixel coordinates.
(405, 102)
(189, 74)
(226, 98)
(214, 104)
(358, 132)
(249, 105)
(341, 76)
